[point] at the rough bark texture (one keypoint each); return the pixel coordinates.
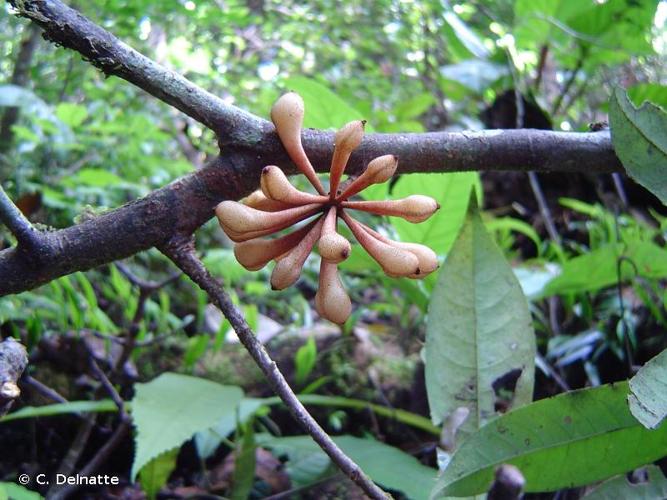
(248, 143)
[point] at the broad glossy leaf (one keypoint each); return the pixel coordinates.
(620, 487)
(569, 440)
(648, 392)
(479, 331)
(639, 137)
(168, 410)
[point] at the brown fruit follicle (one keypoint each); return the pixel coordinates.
(279, 205)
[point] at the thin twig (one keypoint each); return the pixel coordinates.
(43, 389)
(16, 222)
(181, 251)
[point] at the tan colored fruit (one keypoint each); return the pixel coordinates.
(276, 186)
(415, 208)
(347, 139)
(428, 260)
(256, 253)
(289, 265)
(379, 170)
(242, 223)
(257, 200)
(332, 246)
(332, 301)
(393, 260)
(287, 116)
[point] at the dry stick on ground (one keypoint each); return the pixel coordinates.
(182, 252)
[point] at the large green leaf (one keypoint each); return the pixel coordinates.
(384, 464)
(569, 440)
(620, 487)
(648, 392)
(389, 466)
(168, 410)
(324, 109)
(451, 191)
(598, 269)
(639, 137)
(479, 331)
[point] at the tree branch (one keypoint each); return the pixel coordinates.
(65, 26)
(249, 143)
(16, 222)
(181, 251)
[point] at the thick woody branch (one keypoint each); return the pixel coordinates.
(187, 203)
(248, 144)
(181, 251)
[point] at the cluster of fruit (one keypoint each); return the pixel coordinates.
(279, 205)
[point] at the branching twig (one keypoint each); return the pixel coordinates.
(43, 389)
(181, 251)
(16, 222)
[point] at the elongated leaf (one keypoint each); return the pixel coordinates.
(639, 137)
(154, 475)
(620, 487)
(244, 464)
(599, 268)
(479, 331)
(168, 410)
(569, 440)
(648, 392)
(104, 405)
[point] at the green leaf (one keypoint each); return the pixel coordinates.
(13, 491)
(569, 440)
(101, 406)
(620, 487)
(478, 330)
(93, 177)
(389, 466)
(652, 92)
(451, 191)
(244, 464)
(648, 392)
(384, 464)
(304, 361)
(639, 137)
(71, 114)
(598, 269)
(154, 475)
(324, 109)
(168, 410)
(306, 462)
(207, 441)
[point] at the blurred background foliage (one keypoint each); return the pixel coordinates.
(80, 143)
